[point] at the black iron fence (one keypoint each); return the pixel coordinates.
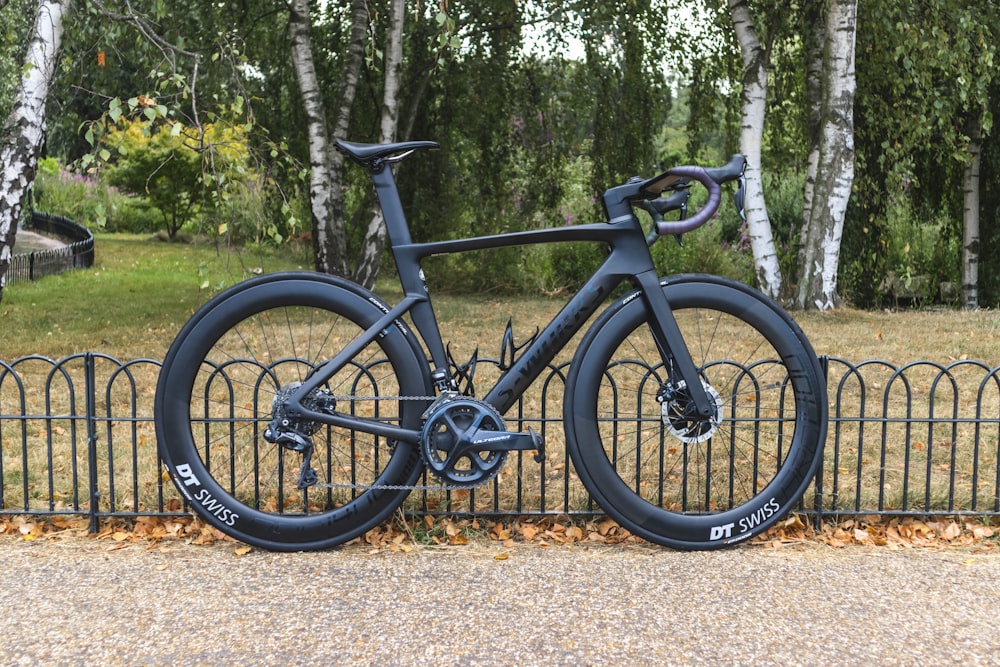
(77, 437)
(78, 252)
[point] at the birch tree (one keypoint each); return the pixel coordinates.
(754, 104)
(371, 255)
(970, 218)
(831, 188)
(327, 164)
(24, 129)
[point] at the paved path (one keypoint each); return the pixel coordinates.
(28, 241)
(73, 601)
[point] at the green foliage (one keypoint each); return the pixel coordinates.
(921, 251)
(87, 199)
(156, 162)
(530, 137)
(17, 20)
(201, 179)
(923, 72)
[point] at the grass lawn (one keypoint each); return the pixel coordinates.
(129, 304)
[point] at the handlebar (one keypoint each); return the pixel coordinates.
(679, 178)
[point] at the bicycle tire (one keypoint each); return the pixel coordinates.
(215, 397)
(653, 475)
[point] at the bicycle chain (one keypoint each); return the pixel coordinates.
(392, 487)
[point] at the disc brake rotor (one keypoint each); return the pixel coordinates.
(681, 418)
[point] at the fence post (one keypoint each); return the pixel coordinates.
(91, 417)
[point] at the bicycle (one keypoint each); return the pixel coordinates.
(289, 372)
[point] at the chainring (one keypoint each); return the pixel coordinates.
(445, 442)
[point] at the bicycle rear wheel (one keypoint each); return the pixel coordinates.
(230, 368)
(671, 477)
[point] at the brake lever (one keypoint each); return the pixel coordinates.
(739, 197)
(657, 207)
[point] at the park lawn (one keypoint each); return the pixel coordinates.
(137, 295)
(130, 304)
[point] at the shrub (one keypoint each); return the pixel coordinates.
(87, 199)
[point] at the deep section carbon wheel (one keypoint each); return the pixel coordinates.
(243, 459)
(662, 470)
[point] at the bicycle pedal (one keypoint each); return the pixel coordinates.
(538, 443)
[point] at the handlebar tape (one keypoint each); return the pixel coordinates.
(711, 179)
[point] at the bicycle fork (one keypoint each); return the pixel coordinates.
(672, 347)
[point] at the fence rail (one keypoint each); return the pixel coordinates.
(78, 253)
(77, 437)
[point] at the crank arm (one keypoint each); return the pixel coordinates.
(504, 441)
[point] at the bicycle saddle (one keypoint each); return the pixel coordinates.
(370, 155)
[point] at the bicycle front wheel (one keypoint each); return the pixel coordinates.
(661, 471)
(231, 368)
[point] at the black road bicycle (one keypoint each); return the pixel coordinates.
(297, 410)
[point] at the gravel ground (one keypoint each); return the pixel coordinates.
(74, 601)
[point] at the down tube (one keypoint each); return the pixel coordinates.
(553, 338)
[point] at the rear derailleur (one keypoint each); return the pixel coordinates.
(294, 434)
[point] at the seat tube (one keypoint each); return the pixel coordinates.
(408, 267)
(392, 207)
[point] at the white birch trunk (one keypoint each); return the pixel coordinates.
(835, 172)
(348, 90)
(320, 193)
(970, 220)
(24, 128)
(371, 257)
(755, 63)
(814, 99)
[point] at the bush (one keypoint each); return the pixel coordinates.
(88, 200)
(921, 252)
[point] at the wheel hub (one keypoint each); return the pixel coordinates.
(680, 415)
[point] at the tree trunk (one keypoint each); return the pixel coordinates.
(371, 256)
(339, 250)
(299, 28)
(820, 255)
(970, 219)
(24, 128)
(814, 41)
(754, 102)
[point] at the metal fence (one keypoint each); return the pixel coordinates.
(77, 437)
(78, 253)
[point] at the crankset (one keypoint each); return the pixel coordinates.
(465, 441)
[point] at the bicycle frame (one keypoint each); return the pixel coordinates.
(629, 259)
